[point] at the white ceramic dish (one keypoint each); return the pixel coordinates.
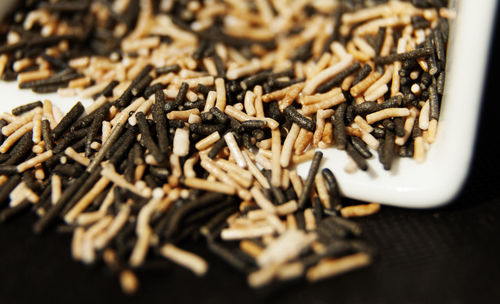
(408, 184)
(440, 178)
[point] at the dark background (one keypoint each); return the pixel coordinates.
(447, 255)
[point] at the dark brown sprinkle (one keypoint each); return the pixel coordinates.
(304, 122)
(21, 150)
(416, 131)
(69, 139)
(219, 65)
(439, 45)
(86, 120)
(357, 157)
(206, 117)
(129, 171)
(379, 39)
(361, 147)
(408, 97)
(126, 97)
(253, 124)
(26, 107)
(399, 126)
(275, 84)
(141, 85)
(174, 68)
(200, 50)
(47, 135)
(199, 104)
(49, 88)
(425, 80)
(339, 132)
(363, 72)
(129, 138)
(274, 112)
(388, 147)
(206, 129)
(106, 146)
(337, 79)
(57, 80)
(179, 98)
(290, 73)
(393, 102)
(68, 120)
(333, 189)
(301, 221)
(176, 123)
(219, 116)
(434, 101)
(94, 129)
(153, 89)
(232, 89)
(444, 29)
(433, 65)
(116, 145)
(56, 63)
(147, 137)
(388, 124)
(251, 81)
(161, 122)
(308, 184)
(415, 54)
(235, 126)
(440, 83)
(107, 91)
(290, 194)
(8, 170)
(202, 89)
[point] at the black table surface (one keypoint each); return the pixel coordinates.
(445, 255)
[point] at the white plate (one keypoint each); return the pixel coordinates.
(440, 178)
(408, 184)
